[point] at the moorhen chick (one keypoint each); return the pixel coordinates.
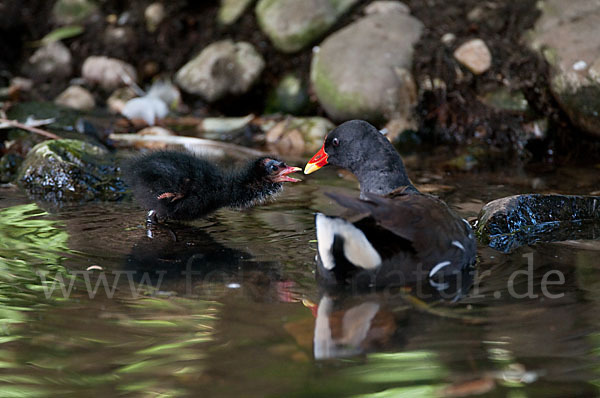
(398, 235)
(180, 186)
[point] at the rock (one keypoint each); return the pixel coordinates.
(568, 36)
(474, 55)
(385, 7)
(222, 68)
(382, 88)
(52, 61)
(108, 73)
(68, 12)
(231, 10)
(504, 99)
(507, 223)
(76, 97)
(292, 25)
(122, 37)
(70, 170)
(117, 100)
(154, 15)
(298, 135)
(290, 96)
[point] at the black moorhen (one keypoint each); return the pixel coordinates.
(179, 186)
(398, 235)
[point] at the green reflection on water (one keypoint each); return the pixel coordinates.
(28, 244)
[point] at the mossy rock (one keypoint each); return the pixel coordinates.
(70, 170)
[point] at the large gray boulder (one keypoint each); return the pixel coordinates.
(363, 70)
(294, 24)
(222, 68)
(51, 61)
(568, 35)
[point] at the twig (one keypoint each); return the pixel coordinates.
(35, 130)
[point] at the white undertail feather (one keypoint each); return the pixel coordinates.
(357, 248)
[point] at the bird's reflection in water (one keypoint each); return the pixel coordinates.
(188, 260)
(350, 322)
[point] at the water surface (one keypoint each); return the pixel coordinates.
(230, 307)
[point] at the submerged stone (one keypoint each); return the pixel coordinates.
(70, 170)
(507, 223)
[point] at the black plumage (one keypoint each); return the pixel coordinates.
(396, 234)
(180, 186)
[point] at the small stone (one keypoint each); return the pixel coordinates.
(68, 12)
(290, 96)
(117, 100)
(385, 7)
(154, 15)
(298, 135)
(108, 73)
(231, 10)
(448, 38)
(76, 97)
(474, 55)
(294, 24)
(222, 68)
(51, 61)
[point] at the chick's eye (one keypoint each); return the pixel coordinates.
(335, 142)
(274, 167)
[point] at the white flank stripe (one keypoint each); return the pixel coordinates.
(458, 244)
(438, 267)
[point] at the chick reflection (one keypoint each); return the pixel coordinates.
(189, 260)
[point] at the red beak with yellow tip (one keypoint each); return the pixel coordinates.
(317, 161)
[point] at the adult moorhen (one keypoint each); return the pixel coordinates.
(179, 186)
(398, 235)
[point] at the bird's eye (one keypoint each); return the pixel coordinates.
(335, 142)
(274, 167)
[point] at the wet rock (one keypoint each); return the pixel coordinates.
(568, 36)
(474, 55)
(384, 7)
(108, 73)
(298, 135)
(52, 61)
(67, 12)
(382, 88)
(231, 10)
(70, 170)
(292, 25)
(510, 222)
(154, 15)
(290, 96)
(222, 68)
(9, 167)
(76, 97)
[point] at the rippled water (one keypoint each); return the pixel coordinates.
(229, 306)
